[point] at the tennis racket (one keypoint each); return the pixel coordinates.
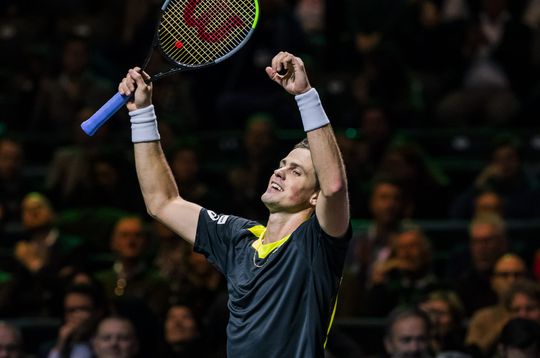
(191, 34)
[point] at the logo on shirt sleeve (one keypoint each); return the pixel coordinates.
(221, 219)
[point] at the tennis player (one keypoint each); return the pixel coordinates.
(282, 278)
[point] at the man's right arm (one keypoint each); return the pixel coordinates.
(160, 193)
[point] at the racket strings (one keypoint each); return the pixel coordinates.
(195, 32)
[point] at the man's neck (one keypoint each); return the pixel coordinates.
(282, 224)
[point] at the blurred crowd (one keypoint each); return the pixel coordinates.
(435, 104)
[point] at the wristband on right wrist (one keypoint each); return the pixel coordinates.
(311, 110)
(144, 126)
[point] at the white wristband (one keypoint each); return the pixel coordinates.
(144, 126)
(311, 110)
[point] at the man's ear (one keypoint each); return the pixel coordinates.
(314, 197)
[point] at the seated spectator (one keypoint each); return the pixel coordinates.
(11, 344)
(386, 206)
(183, 335)
(43, 259)
(405, 276)
(488, 202)
(486, 323)
(469, 271)
(407, 333)
(83, 307)
(424, 187)
(520, 338)
(13, 185)
(523, 300)
(447, 318)
(504, 175)
(115, 338)
(496, 68)
(131, 277)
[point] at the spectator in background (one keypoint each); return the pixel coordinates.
(405, 276)
(519, 338)
(43, 258)
(131, 278)
(115, 337)
(183, 334)
(486, 323)
(407, 333)
(13, 184)
(71, 88)
(372, 246)
(470, 272)
(523, 300)
(11, 344)
(448, 320)
(488, 202)
(188, 175)
(504, 175)
(83, 307)
(259, 156)
(68, 179)
(424, 187)
(496, 69)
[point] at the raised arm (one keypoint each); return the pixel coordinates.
(157, 183)
(332, 206)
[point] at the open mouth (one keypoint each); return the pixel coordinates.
(276, 186)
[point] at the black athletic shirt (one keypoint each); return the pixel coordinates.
(280, 305)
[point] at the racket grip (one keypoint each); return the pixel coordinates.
(102, 115)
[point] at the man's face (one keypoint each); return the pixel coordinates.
(78, 308)
(486, 246)
(507, 270)
(128, 239)
(9, 343)
(524, 306)
(36, 213)
(440, 315)
(409, 338)
(292, 187)
(386, 203)
(410, 248)
(180, 326)
(115, 338)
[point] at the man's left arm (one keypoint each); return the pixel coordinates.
(332, 206)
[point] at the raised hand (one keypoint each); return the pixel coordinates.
(295, 80)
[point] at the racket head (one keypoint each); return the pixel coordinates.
(199, 33)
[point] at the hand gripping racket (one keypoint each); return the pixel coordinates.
(191, 34)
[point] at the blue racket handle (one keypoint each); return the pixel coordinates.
(102, 115)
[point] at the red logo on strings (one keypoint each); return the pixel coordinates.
(205, 18)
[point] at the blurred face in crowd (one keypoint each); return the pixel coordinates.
(486, 245)
(374, 125)
(36, 212)
(440, 314)
(115, 338)
(525, 306)
(10, 159)
(185, 165)
(506, 158)
(10, 342)
(408, 338)
(259, 137)
(78, 308)
(412, 248)
(386, 203)
(488, 203)
(507, 270)
(180, 325)
(129, 239)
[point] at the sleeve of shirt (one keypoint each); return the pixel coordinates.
(319, 244)
(215, 237)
